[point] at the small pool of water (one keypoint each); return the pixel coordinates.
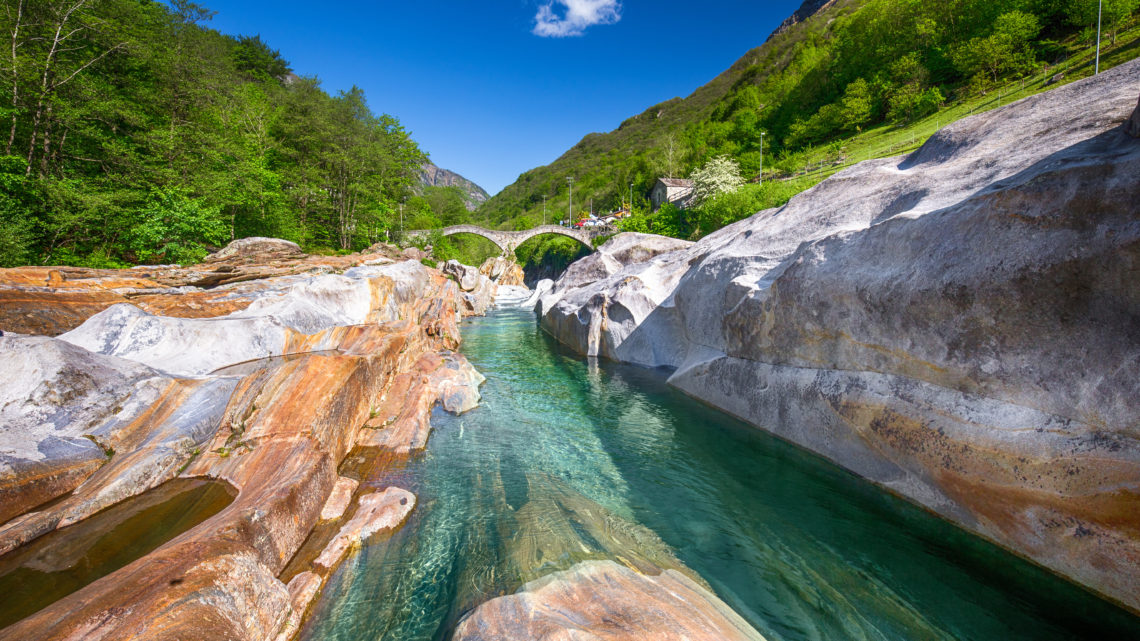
(568, 460)
(53, 566)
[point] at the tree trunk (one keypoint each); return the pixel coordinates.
(15, 77)
(44, 158)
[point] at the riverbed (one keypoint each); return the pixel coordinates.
(569, 459)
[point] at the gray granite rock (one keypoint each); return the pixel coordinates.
(270, 326)
(961, 325)
(62, 411)
(1134, 122)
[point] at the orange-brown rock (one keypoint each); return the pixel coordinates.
(378, 511)
(503, 271)
(53, 300)
(401, 421)
(339, 499)
(276, 429)
(303, 588)
(604, 601)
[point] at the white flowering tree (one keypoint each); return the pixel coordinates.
(719, 175)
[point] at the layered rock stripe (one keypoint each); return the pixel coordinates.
(129, 399)
(960, 325)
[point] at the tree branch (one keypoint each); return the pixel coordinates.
(59, 84)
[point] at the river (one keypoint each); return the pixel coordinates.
(568, 459)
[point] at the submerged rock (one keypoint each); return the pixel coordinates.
(378, 511)
(959, 325)
(601, 600)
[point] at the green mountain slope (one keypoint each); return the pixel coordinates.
(855, 79)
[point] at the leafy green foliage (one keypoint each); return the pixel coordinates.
(16, 230)
(713, 213)
(858, 66)
(465, 248)
(142, 99)
(174, 228)
(548, 255)
(1004, 51)
(447, 204)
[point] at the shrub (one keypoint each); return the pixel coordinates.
(175, 228)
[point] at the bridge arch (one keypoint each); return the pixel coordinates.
(508, 241)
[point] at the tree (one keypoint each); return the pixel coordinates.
(1083, 13)
(254, 57)
(1005, 50)
(448, 204)
(858, 104)
(717, 176)
(176, 228)
(671, 155)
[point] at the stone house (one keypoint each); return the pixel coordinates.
(678, 191)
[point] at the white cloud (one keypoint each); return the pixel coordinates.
(578, 15)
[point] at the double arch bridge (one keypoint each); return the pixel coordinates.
(508, 241)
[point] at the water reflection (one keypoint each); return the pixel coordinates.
(53, 566)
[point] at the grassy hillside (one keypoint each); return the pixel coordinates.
(860, 79)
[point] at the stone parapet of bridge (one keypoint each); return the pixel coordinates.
(508, 241)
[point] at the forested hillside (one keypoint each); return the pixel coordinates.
(134, 133)
(853, 67)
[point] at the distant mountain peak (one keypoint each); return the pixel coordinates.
(432, 176)
(808, 9)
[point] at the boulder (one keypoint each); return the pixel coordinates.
(53, 300)
(604, 601)
(257, 250)
(276, 321)
(401, 421)
(1133, 125)
(378, 511)
(503, 271)
(541, 288)
(478, 290)
(466, 276)
(959, 325)
(303, 588)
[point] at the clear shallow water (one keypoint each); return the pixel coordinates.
(567, 460)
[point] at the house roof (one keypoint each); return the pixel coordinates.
(676, 182)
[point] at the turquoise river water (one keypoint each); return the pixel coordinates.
(568, 459)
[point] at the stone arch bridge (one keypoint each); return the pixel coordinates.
(508, 241)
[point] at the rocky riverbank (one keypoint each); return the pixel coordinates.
(960, 325)
(263, 368)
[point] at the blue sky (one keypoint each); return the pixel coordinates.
(492, 89)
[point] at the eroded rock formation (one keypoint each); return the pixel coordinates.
(961, 325)
(503, 271)
(478, 290)
(266, 383)
(608, 602)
